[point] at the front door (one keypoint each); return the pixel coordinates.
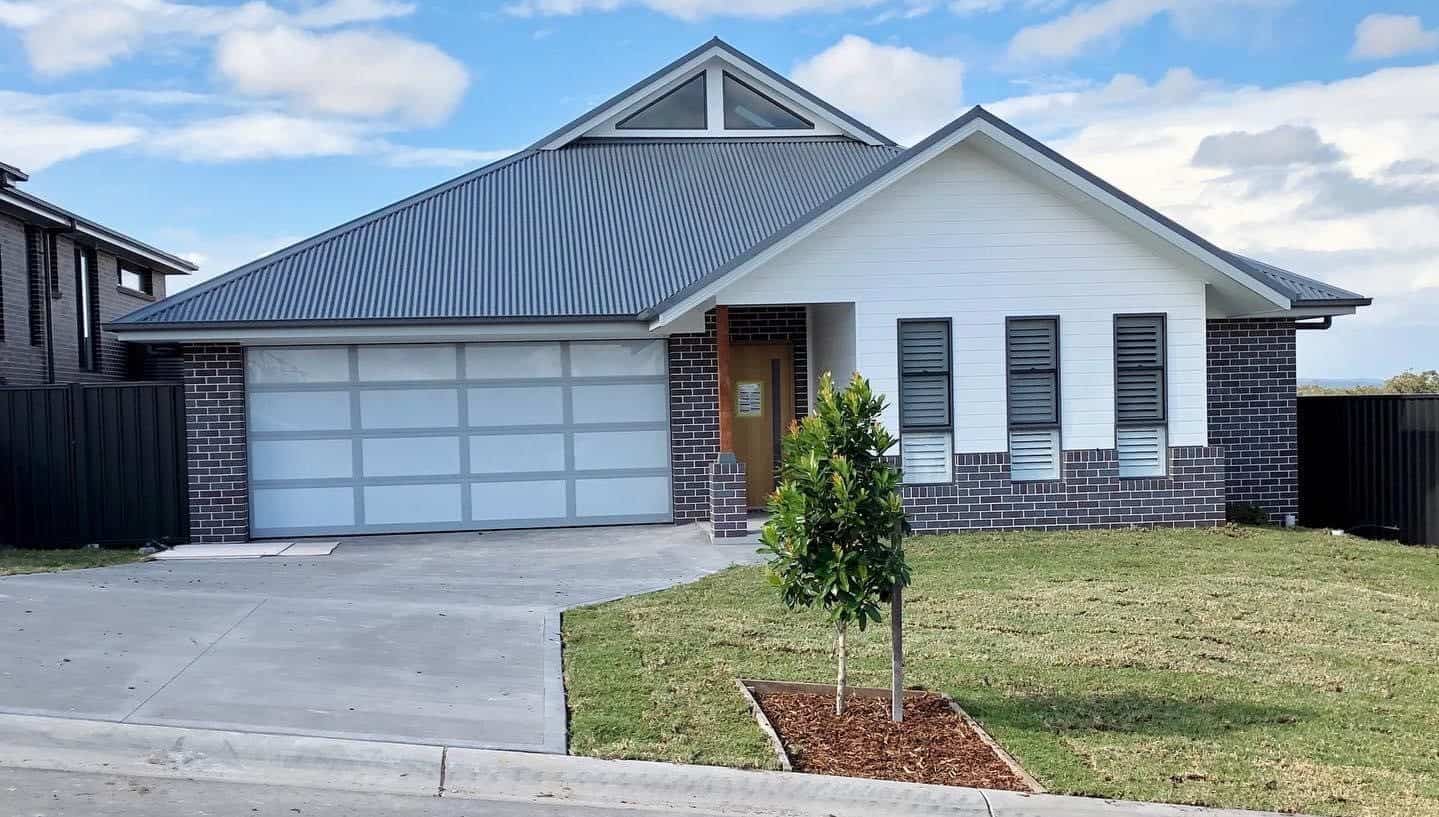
(762, 397)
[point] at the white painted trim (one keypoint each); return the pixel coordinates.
(431, 333)
(1301, 312)
(1002, 139)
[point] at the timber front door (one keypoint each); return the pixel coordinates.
(762, 398)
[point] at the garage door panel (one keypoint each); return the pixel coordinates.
(516, 406)
(526, 500)
(620, 403)
(409, 408)
(410, 456)
(513, 361)
(291, 508)
(412, 504)
(614, 450)
(517, 453)
(392, 363)
(302, 459)
(299, 411)
(622, 496)
(308, 364)
(617, 358)
(457, 436)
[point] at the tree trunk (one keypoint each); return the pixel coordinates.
(839, 689)
(896, 655)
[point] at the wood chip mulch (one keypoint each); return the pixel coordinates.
(932, 745)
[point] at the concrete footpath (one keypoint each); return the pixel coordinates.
(112, 756)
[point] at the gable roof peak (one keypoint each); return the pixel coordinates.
(662, 80)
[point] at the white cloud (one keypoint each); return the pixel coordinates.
(688, 9)
(347, 73)
(259, 136)
(65, 36)
(901, 91)
(1362, 214)
(1380, 36)
(401, 156)
(1080, 29)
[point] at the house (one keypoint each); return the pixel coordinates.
(62, 277)
(616, 325)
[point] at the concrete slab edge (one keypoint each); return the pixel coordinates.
(104, 747)
(556, 712)
(109, 748)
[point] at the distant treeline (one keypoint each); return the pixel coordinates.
(1406, 382)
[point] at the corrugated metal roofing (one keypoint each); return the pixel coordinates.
(595, 229)
(1301, 289)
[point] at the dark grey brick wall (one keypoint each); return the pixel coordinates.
(694, 395)
(1252, 414)
(214, 377)
(1090, 494)
(728, 512)
(23, 364)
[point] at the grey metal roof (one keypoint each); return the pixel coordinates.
(11, 173)
(152, 257)
(1302, 290)
(597, 229)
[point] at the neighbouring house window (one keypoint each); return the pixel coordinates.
(35, 279)
(1032, 369)
(684, 108)
(1140, 396)
(926, 405)
(85, 308)
(748, 109)
(136, 279)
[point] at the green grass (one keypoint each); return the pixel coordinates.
(1239, 667)
(14, 562)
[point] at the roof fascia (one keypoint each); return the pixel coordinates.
(309, 332)
(56, 217)
(690, 62)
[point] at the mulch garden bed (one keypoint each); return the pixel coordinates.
(934, 744)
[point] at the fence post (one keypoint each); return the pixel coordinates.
(78, 437)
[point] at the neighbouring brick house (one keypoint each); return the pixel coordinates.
(62, 277)
(617, 324)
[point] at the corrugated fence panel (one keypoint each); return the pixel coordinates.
(1371, 463)
(101, 463)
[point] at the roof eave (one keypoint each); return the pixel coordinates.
(60, 218)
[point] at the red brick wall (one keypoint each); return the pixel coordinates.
(215, 443)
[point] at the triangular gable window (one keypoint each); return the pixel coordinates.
(748, 109)
(680, 109)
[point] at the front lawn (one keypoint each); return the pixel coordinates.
(1240, 667)
(14, 562)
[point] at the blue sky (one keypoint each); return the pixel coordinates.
(1306, 133)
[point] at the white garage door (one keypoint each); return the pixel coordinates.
(376, 439)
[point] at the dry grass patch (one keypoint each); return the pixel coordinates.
(1242, 668)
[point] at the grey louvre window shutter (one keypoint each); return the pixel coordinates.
(1032, 351)
(924, 376)
(1140, 436)
(1139, 360)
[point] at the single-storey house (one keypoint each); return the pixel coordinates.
(618, 323)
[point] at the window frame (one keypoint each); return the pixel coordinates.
(1162, 368)
(1009, 370)
(946, 430)
(948, 374)
(724, 108)
(85, 261)
(1161, 423)
(146, 276)
(702, 77)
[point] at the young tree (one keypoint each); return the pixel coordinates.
(834, 533)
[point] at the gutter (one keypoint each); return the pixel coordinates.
(1322, 324)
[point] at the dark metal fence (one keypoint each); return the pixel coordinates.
(1370, 464)
(94, 463)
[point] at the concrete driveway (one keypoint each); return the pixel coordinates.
(440, 638)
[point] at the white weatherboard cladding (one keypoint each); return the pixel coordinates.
(965, 238)
(457, 436)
